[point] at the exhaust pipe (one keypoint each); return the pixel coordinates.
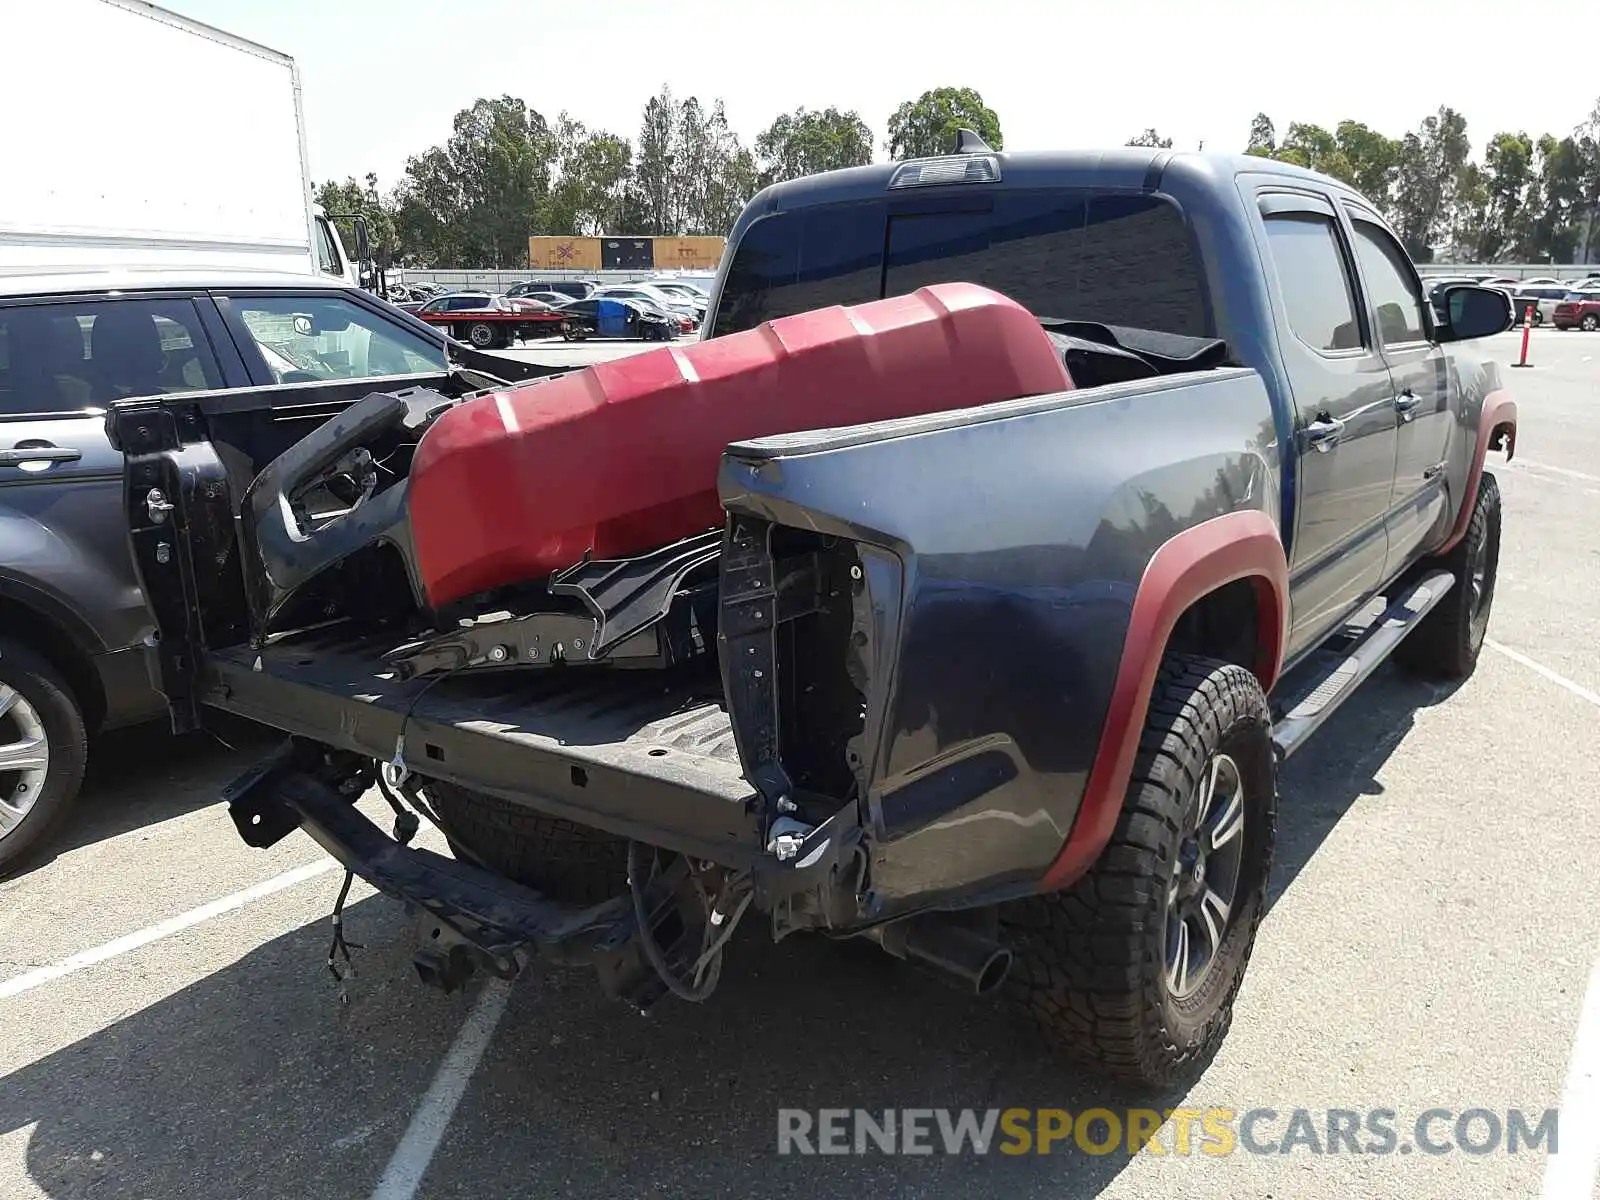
(959, 954)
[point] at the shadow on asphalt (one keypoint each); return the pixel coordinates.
(1340, 764)
(144, 775)
(257, 1082)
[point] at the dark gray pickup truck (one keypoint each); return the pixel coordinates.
(1004, 689)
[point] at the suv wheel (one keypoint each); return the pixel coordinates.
(1134, 968)
(1589, 323)
(43, 748)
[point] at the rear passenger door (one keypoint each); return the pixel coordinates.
(62, 363)
(1344, 413)
(1422, 385)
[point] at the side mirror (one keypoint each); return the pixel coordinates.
(363, 241)
(1474, 312)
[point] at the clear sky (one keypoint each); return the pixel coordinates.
(383, 78)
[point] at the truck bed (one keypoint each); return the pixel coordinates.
(644, 753)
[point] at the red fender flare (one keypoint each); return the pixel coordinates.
(1498, 416)
(1194, 563)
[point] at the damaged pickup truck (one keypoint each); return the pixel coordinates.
(962, 590)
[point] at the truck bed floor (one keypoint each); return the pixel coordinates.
(642, 752)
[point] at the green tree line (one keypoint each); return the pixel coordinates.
(1527, 199)
(506, 173)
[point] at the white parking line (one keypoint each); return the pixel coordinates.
(1572, 1172)
(1577, 689)
(29, 980)
(1520, 464)
(422, 1137)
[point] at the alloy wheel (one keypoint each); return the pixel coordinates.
(1204, 887)
(24, 758)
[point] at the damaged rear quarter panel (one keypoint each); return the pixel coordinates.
(1022, 530)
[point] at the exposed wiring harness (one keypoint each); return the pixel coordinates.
(719, 927)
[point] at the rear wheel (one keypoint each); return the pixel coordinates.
(1446, 643)
(43, 749)
(566, 861)
(1134, 968)
(1589, 323)
(482, 335)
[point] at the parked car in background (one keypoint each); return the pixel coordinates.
(572, 289)
(687, 291)
(555, 299)
(1579, 310)
(650, 294)
(490, 322)
(611, 317)
(1541, 298)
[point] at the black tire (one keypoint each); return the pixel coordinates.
(566, 861)
(482, 335)
(1589, 323)
(1092, 962)
(1446, 643)
(52, 703)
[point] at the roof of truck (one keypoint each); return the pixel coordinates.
(62, 283)
(1136, 168)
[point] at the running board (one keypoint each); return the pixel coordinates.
(1331, 677)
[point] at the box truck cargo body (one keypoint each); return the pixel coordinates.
(141, 138)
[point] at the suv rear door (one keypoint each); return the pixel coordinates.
(62, 361)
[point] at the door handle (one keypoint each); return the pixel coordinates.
(1324, 432)
(29, 454)
(1405, 402)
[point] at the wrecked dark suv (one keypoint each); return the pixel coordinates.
(962, 590)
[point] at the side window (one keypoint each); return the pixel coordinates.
(62, 358)
(1313, 280)
(313, 338)
(327, 251)
(1388, 276)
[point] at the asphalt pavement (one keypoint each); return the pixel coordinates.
(169, 1027)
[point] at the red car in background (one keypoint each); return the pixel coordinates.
(490, 322)
(1581, 310)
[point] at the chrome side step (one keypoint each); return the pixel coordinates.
(1320, 686)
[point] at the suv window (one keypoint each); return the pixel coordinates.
(1394, 298)
(68, 357)
(307, 338)
(1074, 254)
(1313, 280)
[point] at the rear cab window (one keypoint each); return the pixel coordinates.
(1071, 254)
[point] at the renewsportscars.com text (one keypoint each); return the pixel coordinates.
(1174, 1131)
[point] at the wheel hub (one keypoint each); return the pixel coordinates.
(1205, 876)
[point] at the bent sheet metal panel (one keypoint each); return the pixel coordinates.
(1022, 530)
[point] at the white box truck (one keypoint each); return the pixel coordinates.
(145, 139)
